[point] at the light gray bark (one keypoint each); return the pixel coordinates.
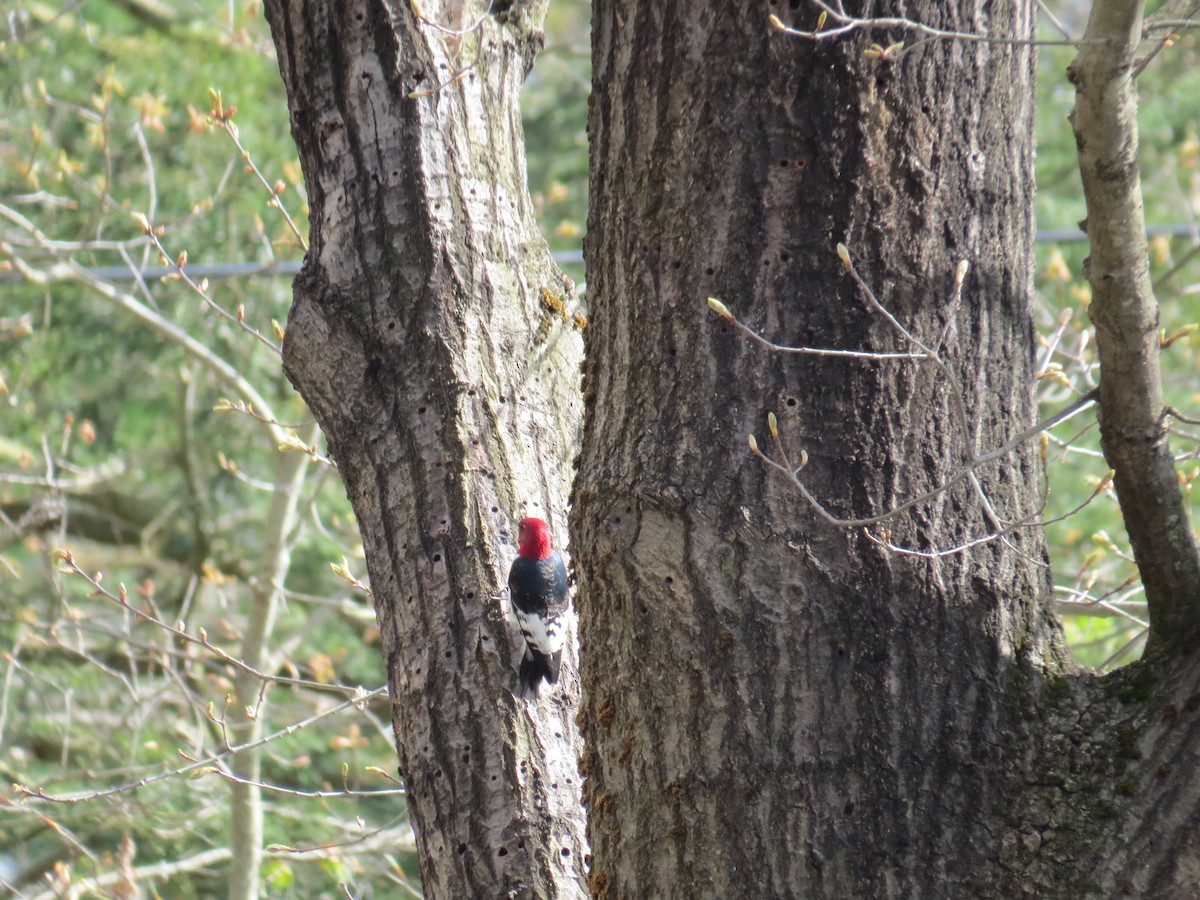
(247, 713)
(1133, 418)
(421, 339)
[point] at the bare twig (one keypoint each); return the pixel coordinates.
(69, 269)
(452, 32)
(722, 310)
(222, 118)
(846, 24)
(37, 794)
(792, 472)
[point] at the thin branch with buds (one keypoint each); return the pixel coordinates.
(68, 566)
(844, 23)
(68, 269)
(971, 459)
(222, 118)
(37, 794)
(722, 310)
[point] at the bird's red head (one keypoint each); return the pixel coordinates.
(533, 539)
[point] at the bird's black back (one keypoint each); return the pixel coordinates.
(539, 586)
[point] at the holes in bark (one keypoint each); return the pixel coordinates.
(437, 557)
(462, 848)
(420, 410)
(503, 851)
(495, 509)
(669, 580)
(708, 271)
(470, 595)
(566, 851)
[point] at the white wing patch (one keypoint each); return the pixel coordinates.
(546, 635)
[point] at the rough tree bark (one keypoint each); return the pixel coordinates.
(421, 339)
(773, 706)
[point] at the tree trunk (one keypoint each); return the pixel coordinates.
(421, 339)
(775, 706)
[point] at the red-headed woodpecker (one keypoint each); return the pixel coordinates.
(538, 584)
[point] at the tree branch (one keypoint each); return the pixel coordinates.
(69, 270)
(1133, 430)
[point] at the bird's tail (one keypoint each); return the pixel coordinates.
(536, 668)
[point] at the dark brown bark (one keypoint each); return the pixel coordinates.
(447, 393)
(773, 706)
(1133, 418)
